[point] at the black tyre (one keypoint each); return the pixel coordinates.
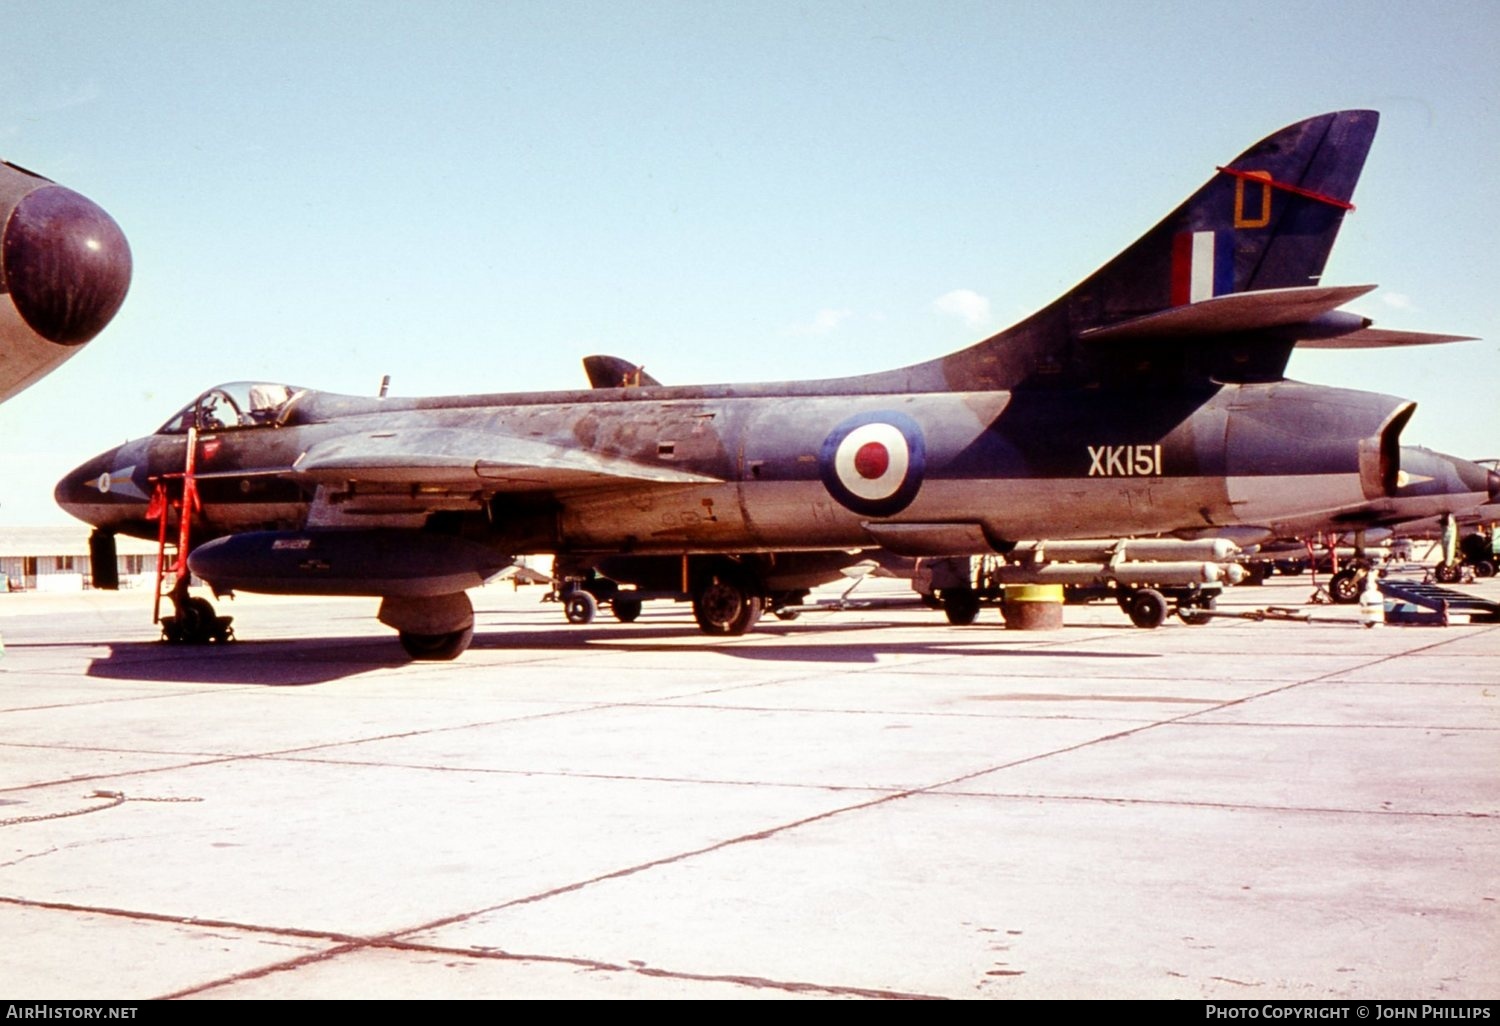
(727, 605)
(1448, 573)
(1149, 608)
(627, 608)
(432, 647)
(1344, 587)
(580, 607)
(1484, 568)
(196, 622)
(1197, 615)
(960, 605)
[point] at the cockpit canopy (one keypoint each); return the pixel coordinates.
(239, 404)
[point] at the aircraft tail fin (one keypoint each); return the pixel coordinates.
(1266, 220)
(1250, 246)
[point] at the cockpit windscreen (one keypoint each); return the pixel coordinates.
(239, 404)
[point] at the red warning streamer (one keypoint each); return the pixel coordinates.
(1260, 176)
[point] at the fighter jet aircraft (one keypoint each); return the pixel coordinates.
(64, 270)
(1148, 399)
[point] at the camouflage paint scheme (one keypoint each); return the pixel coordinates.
(1149, 399)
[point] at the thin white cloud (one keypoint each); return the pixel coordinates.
(1397, 301)
(38, 107)
(826, 320)
(967, 304)
(75, 94)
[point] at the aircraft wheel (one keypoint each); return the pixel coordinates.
(627, 608)
(1344, 587)
(1148, 608)
(1197, 615)
(1448, 573)
(437, 646)
(726, 606)
(960, 605)
(580, 607)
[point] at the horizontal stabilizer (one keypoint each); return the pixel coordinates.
(457, 458)
(1232, 314)
(1381, 338)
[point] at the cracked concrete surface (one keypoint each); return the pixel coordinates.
(866, 805)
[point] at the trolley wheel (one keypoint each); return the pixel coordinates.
(580, 607)
(1148, 609)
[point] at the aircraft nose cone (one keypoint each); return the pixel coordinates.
(65, 263)
(80, 492)
(71, 493)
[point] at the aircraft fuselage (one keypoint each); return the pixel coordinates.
(760, 471)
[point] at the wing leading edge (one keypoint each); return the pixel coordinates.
(449, 458)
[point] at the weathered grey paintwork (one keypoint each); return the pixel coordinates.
(1149, 399)
(64, 270)
(1428, 485)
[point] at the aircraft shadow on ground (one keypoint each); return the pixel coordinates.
(302, 661)
(279, 663)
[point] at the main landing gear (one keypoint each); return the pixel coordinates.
(434, 647)
(728, 601)
(1345, 587)
(728, 596)
(431, 627)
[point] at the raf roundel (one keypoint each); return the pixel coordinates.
(873, 463)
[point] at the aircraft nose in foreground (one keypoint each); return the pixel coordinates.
(66, 265)
(64, 271)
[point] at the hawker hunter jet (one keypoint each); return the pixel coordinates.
(64, 270)
(1149, 399)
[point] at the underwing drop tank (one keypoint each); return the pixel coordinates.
(405, 564)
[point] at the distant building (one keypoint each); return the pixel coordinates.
(57, 559)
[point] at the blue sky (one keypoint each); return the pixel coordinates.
(474, 196)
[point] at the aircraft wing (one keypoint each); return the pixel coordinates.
(455, 457)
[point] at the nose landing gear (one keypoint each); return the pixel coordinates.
(193, 620)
